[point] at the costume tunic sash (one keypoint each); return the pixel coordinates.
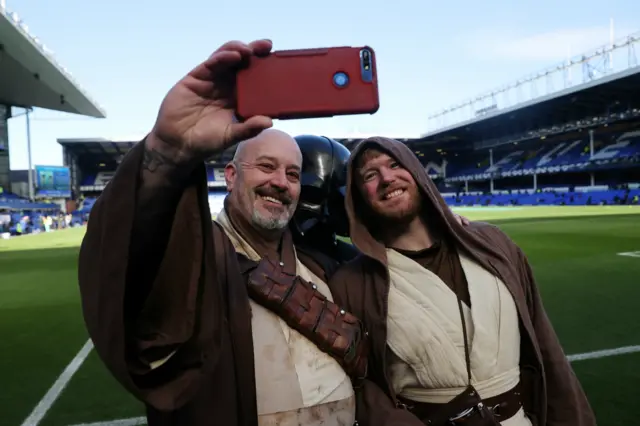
(292, 374)
(425, 334)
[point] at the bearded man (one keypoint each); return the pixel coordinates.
(458, 331)
(220, 322)
(321, 218)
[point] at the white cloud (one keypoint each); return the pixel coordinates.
(549, 46)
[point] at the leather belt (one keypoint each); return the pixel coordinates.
(503, 407)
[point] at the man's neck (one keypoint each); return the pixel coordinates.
(410, 236)
(270, 238)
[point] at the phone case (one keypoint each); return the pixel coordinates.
(309, 83)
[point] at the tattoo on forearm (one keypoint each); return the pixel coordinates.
(153, 160)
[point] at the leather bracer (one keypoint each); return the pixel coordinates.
(300, 304)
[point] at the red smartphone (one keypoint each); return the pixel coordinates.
(309, 83)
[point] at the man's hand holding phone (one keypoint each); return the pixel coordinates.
(197, 116)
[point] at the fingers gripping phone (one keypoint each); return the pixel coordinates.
(309, 83)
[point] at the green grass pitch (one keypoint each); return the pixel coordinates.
(591, 293)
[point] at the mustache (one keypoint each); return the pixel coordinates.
(281, 196)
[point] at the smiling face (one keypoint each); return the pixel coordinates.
(264, 180)
(389, 189)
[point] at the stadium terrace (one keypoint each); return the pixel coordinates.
(30, 77)
(593, 161)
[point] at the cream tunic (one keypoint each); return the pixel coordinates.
(425, 334)
(296, 383)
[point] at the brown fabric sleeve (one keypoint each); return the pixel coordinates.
(567, 404)
(133, 323)
(168, 316)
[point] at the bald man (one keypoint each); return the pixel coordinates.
(186, 323)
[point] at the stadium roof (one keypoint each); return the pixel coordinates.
(30, 77)
(96, 147)
(595, 98)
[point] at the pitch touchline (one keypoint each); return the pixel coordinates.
(136, 421)
(604, 353)
(62, 381)
(54, 392)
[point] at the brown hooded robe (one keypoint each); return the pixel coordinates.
(552, 395)
(197, 305)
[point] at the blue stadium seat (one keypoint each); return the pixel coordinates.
(568, 155)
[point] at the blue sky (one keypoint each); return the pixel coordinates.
(430, 54)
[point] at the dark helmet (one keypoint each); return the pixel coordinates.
(323, 181)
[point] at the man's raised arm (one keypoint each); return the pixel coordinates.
(146, 262)
(162, 180)
(140, 267)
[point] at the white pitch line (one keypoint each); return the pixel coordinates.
(54, 392)
(630, 254)
(604, 353)
(135, 421)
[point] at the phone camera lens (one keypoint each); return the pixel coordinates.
(366, 65)
(366, 59)
(340, 79)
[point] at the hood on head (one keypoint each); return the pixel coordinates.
(438, 210)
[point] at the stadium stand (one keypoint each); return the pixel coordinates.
(30, 77)
(565, 165)
(574, 154)
(12, 202)
(599, 168)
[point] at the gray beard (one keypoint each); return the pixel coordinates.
(269, 223)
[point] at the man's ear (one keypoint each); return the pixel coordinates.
(230, 175)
